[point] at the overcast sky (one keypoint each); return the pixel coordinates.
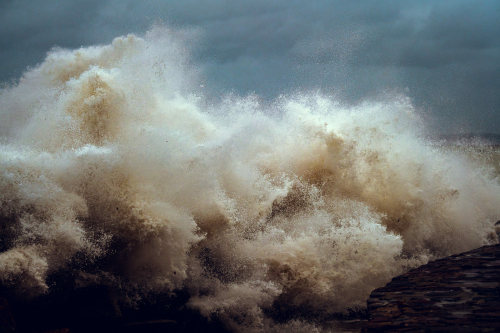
(445, 55)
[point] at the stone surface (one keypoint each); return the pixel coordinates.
(460, 292)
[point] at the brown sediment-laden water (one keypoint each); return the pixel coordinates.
(117, 171)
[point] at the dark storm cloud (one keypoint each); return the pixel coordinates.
(445, 55)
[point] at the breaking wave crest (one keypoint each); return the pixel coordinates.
(113, 167)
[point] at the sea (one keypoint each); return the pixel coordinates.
(270, 216)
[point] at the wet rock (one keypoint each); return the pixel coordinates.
(461, 292)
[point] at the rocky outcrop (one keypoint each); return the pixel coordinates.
(461, 293)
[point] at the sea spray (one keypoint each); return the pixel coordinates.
(114, 167)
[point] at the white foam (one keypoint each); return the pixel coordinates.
(106, 152)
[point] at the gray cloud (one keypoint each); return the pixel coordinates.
(445, 55)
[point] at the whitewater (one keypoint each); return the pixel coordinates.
(114, 165)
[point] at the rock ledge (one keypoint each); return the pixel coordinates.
(460, 292)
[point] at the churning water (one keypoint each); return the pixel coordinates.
(115, 166)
